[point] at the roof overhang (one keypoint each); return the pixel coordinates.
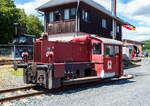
(132, 41)
(108, 41)
(54, 3)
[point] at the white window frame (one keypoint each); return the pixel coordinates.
(66, 14)
(51, 17)
(85, 15)
(104, 23)
(72, 10)
(118, 28)
(72, 13)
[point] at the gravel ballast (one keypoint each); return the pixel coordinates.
(134, 92)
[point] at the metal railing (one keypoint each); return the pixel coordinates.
(9, 78)
(14, 52)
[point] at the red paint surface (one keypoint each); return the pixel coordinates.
(59, 70)
(80, 49)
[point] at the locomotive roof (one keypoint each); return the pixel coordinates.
(53, 3)
(109, 41)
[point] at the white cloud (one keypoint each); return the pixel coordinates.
(138, 11)
(141, 33)
(105, 3)
(30, 7)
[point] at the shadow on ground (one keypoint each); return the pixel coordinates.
(128, 64)
(95, 86)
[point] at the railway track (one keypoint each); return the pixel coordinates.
(8, 62)
(35, 91)
(30, 89)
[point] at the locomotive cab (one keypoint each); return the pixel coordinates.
(107, 55)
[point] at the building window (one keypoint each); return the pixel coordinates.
(96, 48)
(57, 16)
(104, 23)
(66, 14)
(51, 17)
(72, 13)
(84, 15)
(118, 28)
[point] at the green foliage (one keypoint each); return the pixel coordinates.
(9, 15)
(19, 72)
(146, 46)
(34, 26)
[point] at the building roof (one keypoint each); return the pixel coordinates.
(126, 40)
(53, 3)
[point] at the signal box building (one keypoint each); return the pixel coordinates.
(64, 18)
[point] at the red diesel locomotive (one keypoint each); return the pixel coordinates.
(83, 59)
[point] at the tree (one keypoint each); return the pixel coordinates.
(34, 26)
(9, 15)
(146, 46)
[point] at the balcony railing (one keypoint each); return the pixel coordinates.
(61, 27)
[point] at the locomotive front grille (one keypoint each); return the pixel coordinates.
(37, 52)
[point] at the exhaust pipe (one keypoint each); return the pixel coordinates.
(113, 7)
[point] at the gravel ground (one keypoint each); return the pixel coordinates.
(10, 78)
(134, 92)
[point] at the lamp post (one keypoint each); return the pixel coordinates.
(43, 15)
(16, 25)
(16, 32)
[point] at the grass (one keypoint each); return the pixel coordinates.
(19, 72)
(7, 69)
(5, 57)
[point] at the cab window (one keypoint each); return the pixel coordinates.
(116, 50)
(109, 51)
(96, 48)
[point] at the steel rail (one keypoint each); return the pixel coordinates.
(8, 62)
(16, 89)
(63, 88)
(22, 96)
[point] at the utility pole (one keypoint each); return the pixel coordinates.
(44, 16)
(77, 20)
(45, 23)
(113, 10)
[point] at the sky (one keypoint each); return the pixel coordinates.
(136, 12)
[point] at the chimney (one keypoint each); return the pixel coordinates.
(113, 7)
(113, 11)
